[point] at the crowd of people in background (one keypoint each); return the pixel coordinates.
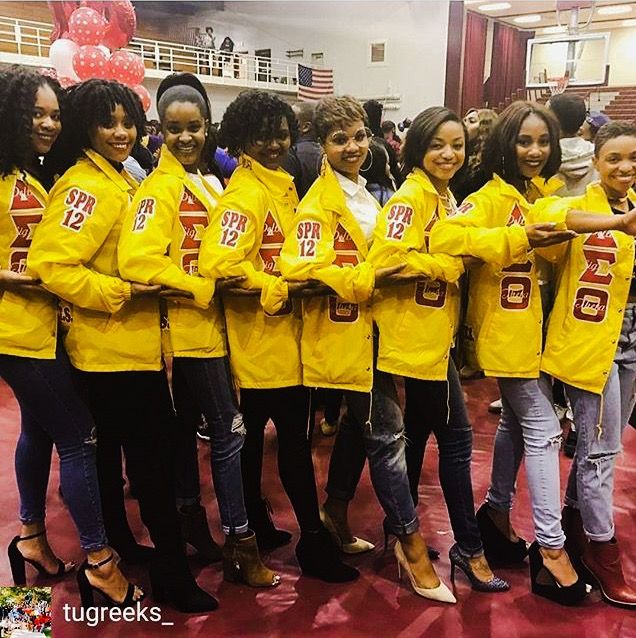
(168, 277)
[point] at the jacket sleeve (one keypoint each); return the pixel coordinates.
(554, 210)
(398, 239)
(229, 244)
(74, 226)
(308, 253)
(143, 252)
(470, 233)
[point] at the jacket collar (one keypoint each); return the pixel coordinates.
(332, 199)
(278, 182)
(35, 184)
(598, 199)
(545, 187)
(124, 182)
(170, 165)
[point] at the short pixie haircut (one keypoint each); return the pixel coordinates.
(500, 155)
(255, 115)
(611, 130)
(336, 111)
(421, 133)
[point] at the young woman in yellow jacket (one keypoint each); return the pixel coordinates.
(244, 238)
(114, 338)
(32, 360)
(417, 325)
(159, 244)
(505, 319)
(584, 338)
(329, 241)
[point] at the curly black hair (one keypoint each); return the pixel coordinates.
(255, 115)
(89, 105)
(18, 88)
(499, 154)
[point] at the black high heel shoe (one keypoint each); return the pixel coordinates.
(544, 584)
(87, 591)
(433, 554)
(267, 536)
(457, 559)
(17, 561)
(498, 548)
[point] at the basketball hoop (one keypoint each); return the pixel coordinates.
(557, 85)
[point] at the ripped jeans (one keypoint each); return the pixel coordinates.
(53, 414)
(625, 359)
(591, 481)
(529, 426)
(373, 428)
(210, 387)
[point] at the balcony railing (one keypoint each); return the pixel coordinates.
(27, 42)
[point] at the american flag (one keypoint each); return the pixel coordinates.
(314, 83)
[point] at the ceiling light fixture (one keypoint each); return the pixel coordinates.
(529, 19)
(615, 9)
(495, 6)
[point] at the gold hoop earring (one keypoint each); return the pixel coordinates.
(368, 168)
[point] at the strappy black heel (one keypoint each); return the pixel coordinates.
(17, 561)
(87, 591)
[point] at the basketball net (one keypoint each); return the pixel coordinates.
(558, 84)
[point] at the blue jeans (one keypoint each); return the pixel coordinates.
(210, 385)
(438, 407)
(591, 482)
(373, 427)
(53, 413)
(529, 426)
(625, 359)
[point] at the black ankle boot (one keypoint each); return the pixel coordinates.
(196, 532)
(319, 557)
(260, 520)
(173, 584)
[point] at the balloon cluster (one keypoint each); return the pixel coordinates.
(90, 48)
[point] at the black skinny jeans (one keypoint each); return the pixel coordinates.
(438, 407)
(133, 411)
(288, 408)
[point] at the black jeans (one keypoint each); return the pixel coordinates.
(438, 407)
(288, 408)
(133, 411)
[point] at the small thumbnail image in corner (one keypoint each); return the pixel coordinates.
(25, 612)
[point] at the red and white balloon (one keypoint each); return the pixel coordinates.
(86, 26)
(127, 68)
(143, 94)
(90, 62)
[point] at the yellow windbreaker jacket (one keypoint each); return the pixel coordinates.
(327, 243)
(74, 253)
(159, 244)
(28, 320)
(504, 315)
(244, 238)
(417, 322)
(595, 275)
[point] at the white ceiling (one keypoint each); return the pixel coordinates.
(547, 10)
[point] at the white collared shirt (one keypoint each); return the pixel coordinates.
(212, 181)
(360, 202)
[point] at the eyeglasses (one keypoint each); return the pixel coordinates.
(341, 140)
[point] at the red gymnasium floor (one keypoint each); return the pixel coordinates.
(375, 605)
